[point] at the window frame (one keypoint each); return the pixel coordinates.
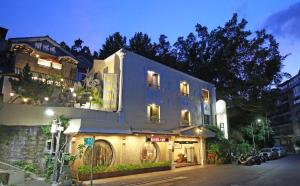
(184, 88)
(153, 118)
(150, 79)
(184, 122)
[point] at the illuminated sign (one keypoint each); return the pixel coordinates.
(45, 47)
(157, 139)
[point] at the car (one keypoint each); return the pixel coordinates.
(281, 151)
(269, 153)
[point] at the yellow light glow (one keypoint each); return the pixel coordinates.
(12, 94)
(72, 89)
(74, 94)
(61, 79)
(25, 100)
(46, 98)
(124, 141)
(37, 56)
(198, 130)
(90, 97)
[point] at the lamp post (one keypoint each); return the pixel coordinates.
(253, 140)
(56, 130)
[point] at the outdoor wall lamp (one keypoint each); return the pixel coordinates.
(124, 141)
(46, 98)
(12, 94)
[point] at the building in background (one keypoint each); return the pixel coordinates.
(285, 121)
(45, 58)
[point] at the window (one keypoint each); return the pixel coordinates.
(206, 119)
(185, 117)
(153, 113)
(153, 79)
(56, 66)
(149, 152)
(184, 88)
(44, 62)
(103, 154)
(205, 96)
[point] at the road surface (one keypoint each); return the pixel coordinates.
(281, 172)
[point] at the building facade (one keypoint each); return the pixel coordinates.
(161, 114)
(285, 121)
(150, 113)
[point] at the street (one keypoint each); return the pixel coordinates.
(284, 171)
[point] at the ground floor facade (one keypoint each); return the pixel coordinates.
(112, 149)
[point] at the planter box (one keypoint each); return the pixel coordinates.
(85, 177)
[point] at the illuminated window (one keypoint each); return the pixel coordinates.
(153, 113)
(185, 117)
(56, 66)
(184, 88)
(205, 96)
(153, 79)
(44, 62)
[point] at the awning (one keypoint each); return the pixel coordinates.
(90, 126)
(195, 131)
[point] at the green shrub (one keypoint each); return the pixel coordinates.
(84, 169)
(30, 167)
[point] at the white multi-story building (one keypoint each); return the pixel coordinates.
(150, 113)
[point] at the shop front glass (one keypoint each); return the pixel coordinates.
(149, 152)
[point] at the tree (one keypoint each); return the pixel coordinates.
(76, 48)
(141, 44)
(26, 87)
(65, 46)
(112, 44)
(163, 52)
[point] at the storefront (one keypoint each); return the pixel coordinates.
(184, 147)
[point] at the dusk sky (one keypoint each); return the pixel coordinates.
(93, 21)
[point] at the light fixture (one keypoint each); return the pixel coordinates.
(49, 112)
(12, 94)
(198, 130)
(25, 100)
(74, 95)
(90, 97)
(61, 79)
(258, 120)
(152, 135)
(46, 98)
(37, 55)
(124, 141)
(72, 89)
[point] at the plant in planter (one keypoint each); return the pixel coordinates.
(121, 169)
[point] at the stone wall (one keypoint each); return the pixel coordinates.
(22, 143)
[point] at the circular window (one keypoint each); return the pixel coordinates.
(103, 154)
(149, 152)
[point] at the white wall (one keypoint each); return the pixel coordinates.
(137, 95)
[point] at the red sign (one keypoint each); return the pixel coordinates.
(157, 139)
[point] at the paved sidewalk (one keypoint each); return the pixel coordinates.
(145, 177)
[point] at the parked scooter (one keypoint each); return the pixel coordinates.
(246, 159)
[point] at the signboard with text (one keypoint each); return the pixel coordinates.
(156, 139)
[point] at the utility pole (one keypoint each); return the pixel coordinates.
(253, 141)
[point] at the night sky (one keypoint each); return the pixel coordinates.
(93, 21)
